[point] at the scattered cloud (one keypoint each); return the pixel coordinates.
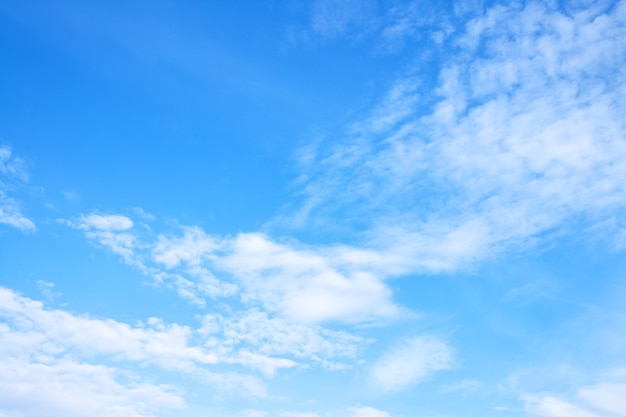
(410, 362)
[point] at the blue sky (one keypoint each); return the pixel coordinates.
(331, 208)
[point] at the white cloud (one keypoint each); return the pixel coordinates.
(332, 18)
(47, 289)
(367, 412)
(410, 362)
(390, 25)
(305, 284)
(525, 135)
(248, 339)
(109, 223)
(287, 292)
(31, 329)
(12, 166)
(254, 338)
(67, 388)
(465, 386)
(11, 214)
(13, 173)
(192, 248)
(356, 411)
(607, 399)
(43, 369)
(29, 333)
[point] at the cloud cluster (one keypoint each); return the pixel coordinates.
(297, 283)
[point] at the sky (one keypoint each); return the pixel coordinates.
(325, 208)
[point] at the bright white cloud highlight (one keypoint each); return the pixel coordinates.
(410, 362)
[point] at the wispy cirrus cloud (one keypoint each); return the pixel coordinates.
(410, 362)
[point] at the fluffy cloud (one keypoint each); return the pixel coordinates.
(410, 362)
